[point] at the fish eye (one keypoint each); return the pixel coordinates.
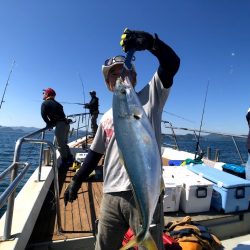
(137, 117)
(123, 91)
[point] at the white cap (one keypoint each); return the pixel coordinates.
(106, 69)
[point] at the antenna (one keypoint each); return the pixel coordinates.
(2, 101)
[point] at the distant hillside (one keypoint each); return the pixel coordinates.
(18, 129)
(220, 137)
(209, 137)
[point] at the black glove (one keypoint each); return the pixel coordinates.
(49, 126)
(70, 193)
(69, 121)
(138, 40)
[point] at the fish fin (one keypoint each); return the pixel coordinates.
(131, 243)
(121, 161)
(148, 243)
(162, 188)
(137, 114)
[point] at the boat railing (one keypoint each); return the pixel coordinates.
(80, 123)
(22, 167)
(174, 131)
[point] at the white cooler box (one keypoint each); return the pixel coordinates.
(172, 194)
(231, 193)
(196, 192)
(80, 157)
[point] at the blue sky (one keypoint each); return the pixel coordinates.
(53, 42)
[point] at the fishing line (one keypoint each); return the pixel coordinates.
(83, 91)
(76, 103)
(185, 119)
(203, 111)
(2, 101)
(63, 102)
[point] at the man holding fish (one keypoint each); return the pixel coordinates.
(129, 135)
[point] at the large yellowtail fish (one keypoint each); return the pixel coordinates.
(140, 153)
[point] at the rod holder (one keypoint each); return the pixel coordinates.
(208, 153)
(46, 157)
(217, 155)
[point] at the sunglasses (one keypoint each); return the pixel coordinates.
(116, 59)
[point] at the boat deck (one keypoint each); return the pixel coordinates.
(78, 218)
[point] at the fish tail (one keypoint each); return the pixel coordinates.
(162, 187)
(148, 243)
(131, 243)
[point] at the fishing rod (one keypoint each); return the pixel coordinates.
(83, 92)
(82, 87)
(76, 103)
(2, 101)
(198, 140)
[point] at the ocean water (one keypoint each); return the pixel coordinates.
(227, 150)
(30, 153)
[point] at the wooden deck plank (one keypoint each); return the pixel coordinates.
(78, 218)
(84, 223)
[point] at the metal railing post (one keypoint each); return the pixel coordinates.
(56, 187)
(56, 179)
(40, 159)
(8, 191)
(173, 134)
(10, 206)
(217, 155)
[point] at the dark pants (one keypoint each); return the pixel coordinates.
(248, 142)
(118, 213)
(94, 125)
(61, 133)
